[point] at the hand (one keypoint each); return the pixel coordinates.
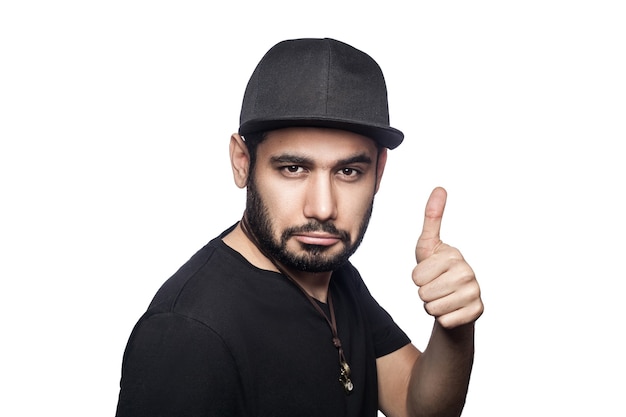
(447, 284)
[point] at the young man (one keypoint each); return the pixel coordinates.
(270, 318)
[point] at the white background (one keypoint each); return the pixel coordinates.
(114, 126)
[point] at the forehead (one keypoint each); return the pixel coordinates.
(317, 142)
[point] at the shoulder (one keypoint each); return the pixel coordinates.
(207, 278)
(166, 296)
(349, 279)
(217, 286)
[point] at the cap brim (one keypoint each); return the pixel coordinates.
(384, 135)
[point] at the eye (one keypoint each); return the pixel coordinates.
(292, 169)
(350, 173)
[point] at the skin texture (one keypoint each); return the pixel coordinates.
(307, 177)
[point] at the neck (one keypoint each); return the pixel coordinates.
(314, 283)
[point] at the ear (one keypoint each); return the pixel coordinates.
(239, 160)
(380, 167)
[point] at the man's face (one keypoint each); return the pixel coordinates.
(311, 194)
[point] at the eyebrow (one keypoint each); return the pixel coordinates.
(303, 160)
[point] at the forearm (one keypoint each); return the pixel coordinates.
(440, 376)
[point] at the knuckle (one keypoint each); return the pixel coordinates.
(479, 310)
(415, 275)
(431, 309)
(422, 293)
(453, 253)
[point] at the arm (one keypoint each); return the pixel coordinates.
(440, 377)
(435, 382)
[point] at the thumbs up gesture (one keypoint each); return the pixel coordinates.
(447, 284)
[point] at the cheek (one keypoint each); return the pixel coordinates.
(354, 207)
(282, 204)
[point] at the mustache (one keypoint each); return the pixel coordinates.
(315, 226)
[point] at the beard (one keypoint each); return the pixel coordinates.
(312, 258)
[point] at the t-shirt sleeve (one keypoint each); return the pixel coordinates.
(387, 335)
(176, 366)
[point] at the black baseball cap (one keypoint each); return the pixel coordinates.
(318, 83)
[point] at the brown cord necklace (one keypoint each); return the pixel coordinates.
(344, 368)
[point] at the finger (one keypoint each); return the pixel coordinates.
(462, 316)
(458, 308)
(430, 239)
(443, 272)
(435, 265)
(436, 288)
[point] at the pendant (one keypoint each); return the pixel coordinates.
(344, 377)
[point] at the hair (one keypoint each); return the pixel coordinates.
(252, 142)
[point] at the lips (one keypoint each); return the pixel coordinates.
(319, 239)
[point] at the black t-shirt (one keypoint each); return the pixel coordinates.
(224, 338)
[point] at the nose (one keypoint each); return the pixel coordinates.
(320, 201)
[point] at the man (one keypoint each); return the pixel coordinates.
(270, 318)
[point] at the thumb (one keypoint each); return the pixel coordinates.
(429, 240)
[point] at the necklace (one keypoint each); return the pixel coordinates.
(344, 368)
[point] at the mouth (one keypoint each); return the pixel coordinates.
(317, 239)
